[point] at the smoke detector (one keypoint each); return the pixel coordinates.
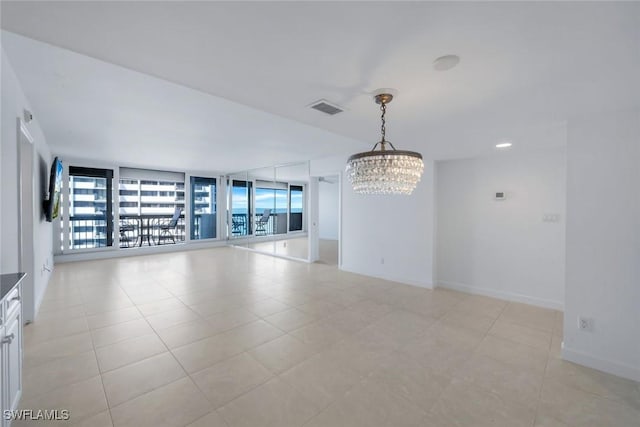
(326, 107)
(446, 62)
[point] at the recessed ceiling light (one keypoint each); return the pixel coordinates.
(504, 145)
(446, 62)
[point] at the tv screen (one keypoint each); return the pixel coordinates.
(52, 210)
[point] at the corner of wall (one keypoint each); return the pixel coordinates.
(14, 102)
(603, 242)
(392, 278)
(503, 295)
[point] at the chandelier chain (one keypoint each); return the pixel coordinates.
(383, 108)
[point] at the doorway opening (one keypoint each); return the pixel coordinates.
(329, 219)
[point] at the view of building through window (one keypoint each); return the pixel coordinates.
(203, 208)
(151, 208)
(147, 197)
(90, 217)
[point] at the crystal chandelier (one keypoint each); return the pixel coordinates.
(384, 171)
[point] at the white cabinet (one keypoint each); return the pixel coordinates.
(10, 352)
(12, 355)
(2, 420)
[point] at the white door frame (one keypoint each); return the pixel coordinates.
(27, 209)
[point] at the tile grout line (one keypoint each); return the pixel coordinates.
(273, 375)
(109, 406)
(473, 350)
(104, 393)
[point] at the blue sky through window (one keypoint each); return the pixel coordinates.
(269, 198)
(266, 198)
(296, 201)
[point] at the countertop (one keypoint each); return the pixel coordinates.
(8, 282)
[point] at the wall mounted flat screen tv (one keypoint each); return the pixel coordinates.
(52, 204)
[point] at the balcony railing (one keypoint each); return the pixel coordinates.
(275, 224)
(204, 226)
(87, 231)
(93, 231)
(150, 230)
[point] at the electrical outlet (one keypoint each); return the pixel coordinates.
(585, 324)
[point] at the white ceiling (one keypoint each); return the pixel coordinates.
(525, 69)
(90, 109)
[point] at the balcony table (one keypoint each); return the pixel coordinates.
(146, 222)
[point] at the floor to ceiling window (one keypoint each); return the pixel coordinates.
(89, 220)
(203, 208)
(271, 198)
(241, 207)
(151, 207)
(296, 203)
(267, 210)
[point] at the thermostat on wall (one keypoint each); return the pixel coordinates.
(500, 195)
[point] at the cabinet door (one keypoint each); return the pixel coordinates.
(12, 353)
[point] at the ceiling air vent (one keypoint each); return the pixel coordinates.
(326, 107)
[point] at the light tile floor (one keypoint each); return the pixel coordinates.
(226, 337)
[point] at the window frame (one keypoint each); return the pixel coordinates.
(190, 213)
(90, 172)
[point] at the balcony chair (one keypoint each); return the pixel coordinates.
(262, 222)
(237, 225)
(126, 229)
(168, 229)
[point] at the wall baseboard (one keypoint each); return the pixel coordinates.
(425, 285)
(193, 245)
(509, 296)
(40, 297)
(608, 366)
(106, 253)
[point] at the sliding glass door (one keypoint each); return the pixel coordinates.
(266, 206)
(272, 198)
(88, 222)
(241, 206)
(151, 207)
(296, 203)
(203, 208)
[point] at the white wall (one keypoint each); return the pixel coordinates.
(13, 104)
(396, 229)
(328, 208)
(603, 243)
(503, 248)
